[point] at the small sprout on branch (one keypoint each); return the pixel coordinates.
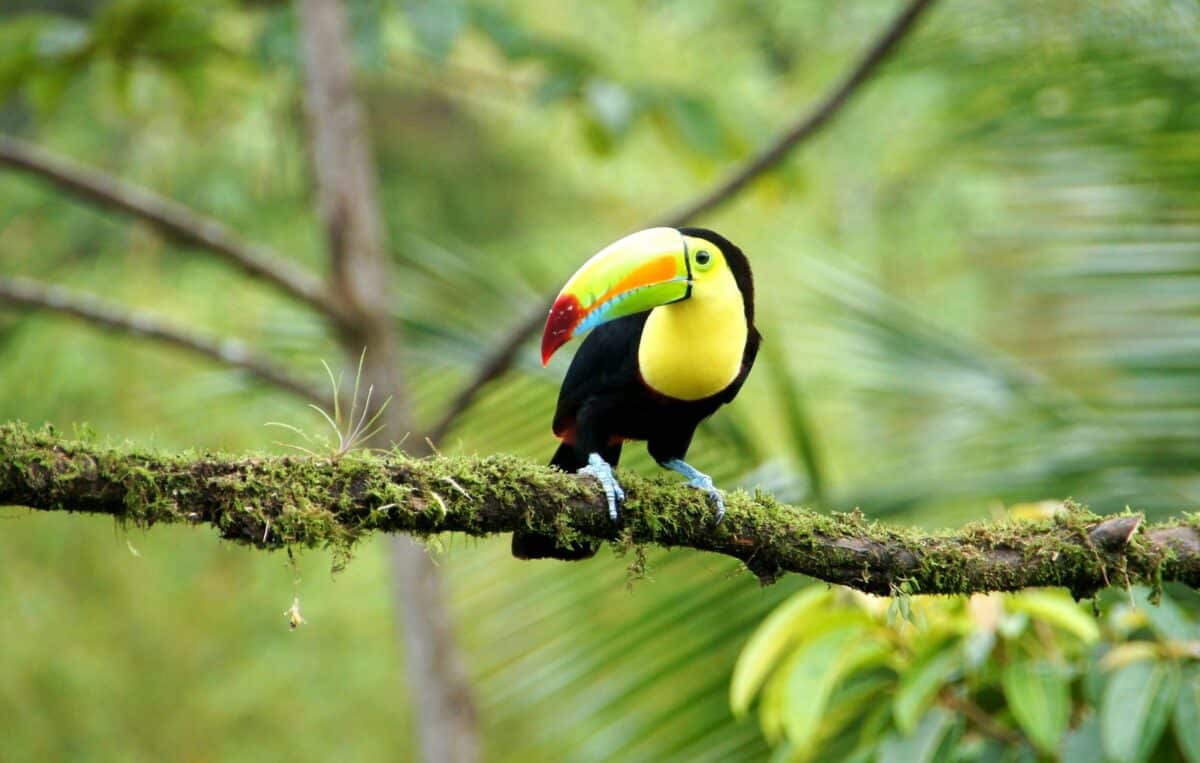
(351, 430)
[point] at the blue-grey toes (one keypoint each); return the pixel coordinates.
(716, 497)
(600, 469)
(700, 481)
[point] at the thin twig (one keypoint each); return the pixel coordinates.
(808, 124)
(99, 312)
(174, 220)
(978, 717)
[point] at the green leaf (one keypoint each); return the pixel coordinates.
(919, 746)
(921, 683)
(812, 674)
(557, 86)
(1039, 696)
(850, 701)
(1058, 609)
(366, 30)
(1187, 714)
(1166, 618)
(509, 37)
(695, 122)
(783, 753)
(518, 44)
(436, 24)
(776, 634)
(1083, 745)
(1136, 705)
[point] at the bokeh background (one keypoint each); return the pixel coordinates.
(979, 286)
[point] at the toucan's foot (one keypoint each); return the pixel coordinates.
(700, 481)
(599, 468)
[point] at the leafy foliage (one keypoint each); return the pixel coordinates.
(841, 676)
(41, 55)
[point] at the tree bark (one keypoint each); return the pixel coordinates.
(289, 502)
(360, 277)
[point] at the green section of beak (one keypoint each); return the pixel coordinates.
(637, 273)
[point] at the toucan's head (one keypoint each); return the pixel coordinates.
(643, 271)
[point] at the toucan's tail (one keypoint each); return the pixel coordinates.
(529, 545)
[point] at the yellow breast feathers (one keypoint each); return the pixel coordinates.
(693, 349)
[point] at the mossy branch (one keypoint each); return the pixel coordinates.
(277, 502)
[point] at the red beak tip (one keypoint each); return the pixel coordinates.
(560, 324)
(550, 345)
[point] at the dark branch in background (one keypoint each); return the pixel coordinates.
(91, 309)
(276, 502)
(808, 124)
(362, 277)
(170, 218)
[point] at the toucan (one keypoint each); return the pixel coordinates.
(671, 315)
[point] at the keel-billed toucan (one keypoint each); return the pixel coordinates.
(673, 338)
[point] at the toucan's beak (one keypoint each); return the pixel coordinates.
(637, 273)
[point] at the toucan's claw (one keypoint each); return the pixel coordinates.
(700, 481)
(716, 497)
(600, 469)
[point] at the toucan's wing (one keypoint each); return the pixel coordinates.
(606, 361)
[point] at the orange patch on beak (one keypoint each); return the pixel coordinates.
(654, 271)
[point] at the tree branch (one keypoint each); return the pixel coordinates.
(172, 219)
(91, 309)
(805, 126)
(274, 502)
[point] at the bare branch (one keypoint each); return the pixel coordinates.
(274, 502)
(172, 219)
(808, 124)
(143, 323)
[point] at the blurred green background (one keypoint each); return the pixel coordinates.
(979, 286)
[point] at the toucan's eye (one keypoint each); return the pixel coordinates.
(703, 258)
